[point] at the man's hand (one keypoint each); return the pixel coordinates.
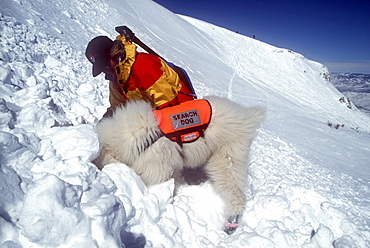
(125, 31)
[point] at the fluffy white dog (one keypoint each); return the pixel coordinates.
(132, 136)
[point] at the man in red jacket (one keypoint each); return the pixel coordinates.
(134, 75)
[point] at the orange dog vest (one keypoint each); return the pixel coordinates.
(185, 122)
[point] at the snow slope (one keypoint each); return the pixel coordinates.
(356, 87)
(309, 165)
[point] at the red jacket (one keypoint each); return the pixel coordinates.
(147, 77)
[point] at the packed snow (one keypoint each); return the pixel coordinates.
(308, 183)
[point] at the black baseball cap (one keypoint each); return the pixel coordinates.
(97, 52)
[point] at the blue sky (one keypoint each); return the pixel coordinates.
(335, 33)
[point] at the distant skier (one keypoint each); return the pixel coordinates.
(135, 75)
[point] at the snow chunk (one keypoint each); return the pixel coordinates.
(51, 215)
(322, 238)
(11, 195)
(7, 117)
(13, 153)
(9, 233)
(34, 118)
(52, 63)
(4, 73)
(127, 181)
(79, 141)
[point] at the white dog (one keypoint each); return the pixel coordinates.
(132, 136)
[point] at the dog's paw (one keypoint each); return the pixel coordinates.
(231, 224)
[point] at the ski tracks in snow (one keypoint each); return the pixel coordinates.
(230, 86)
